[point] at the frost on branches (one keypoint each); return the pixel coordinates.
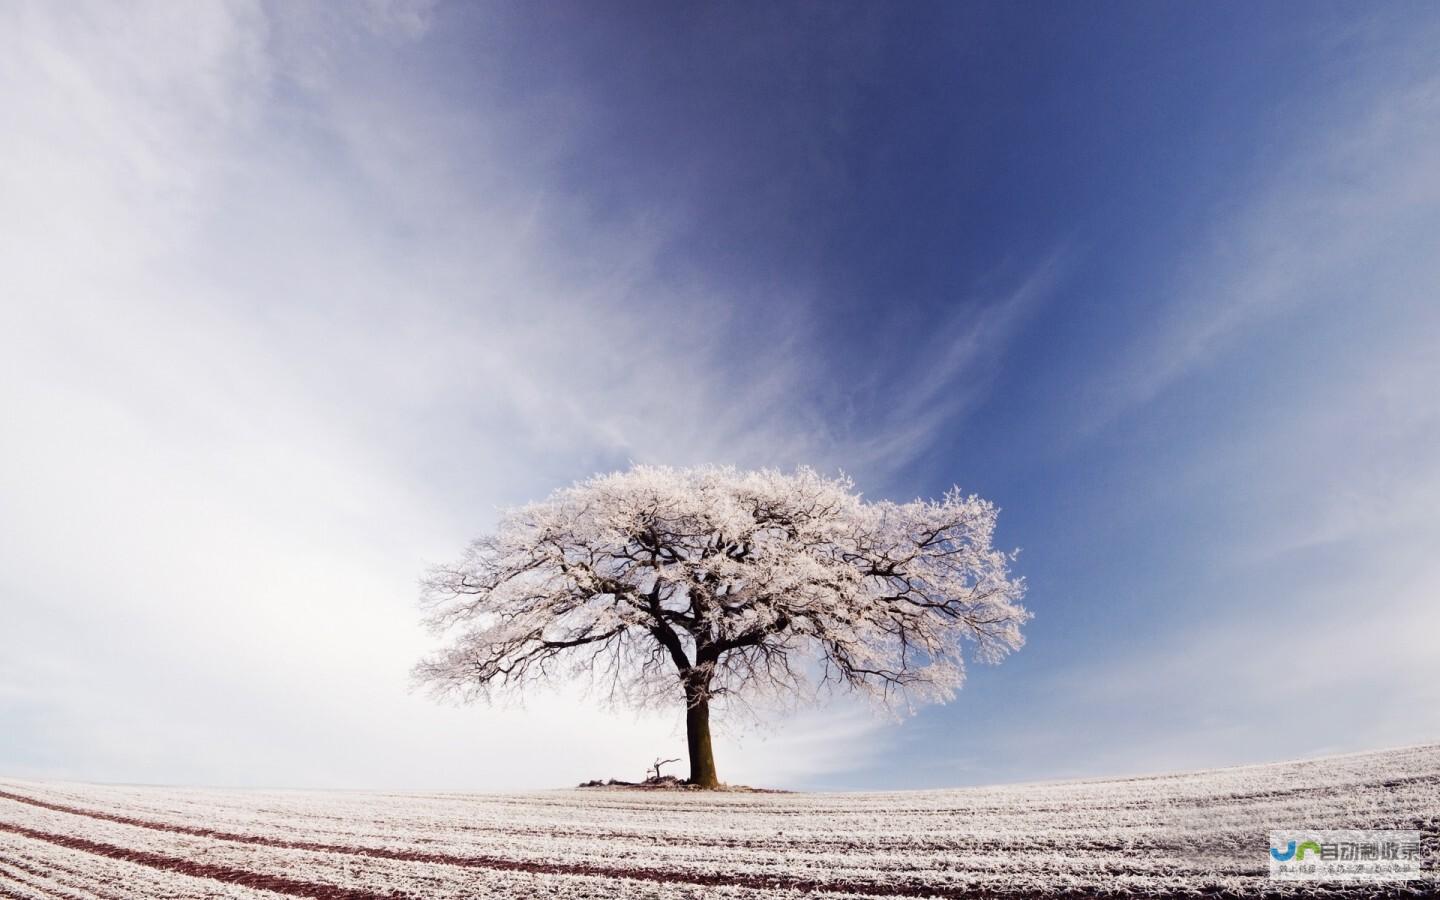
(661, 584)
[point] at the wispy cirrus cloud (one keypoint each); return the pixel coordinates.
(1277, 417)
(1350, 218)
(286, 320)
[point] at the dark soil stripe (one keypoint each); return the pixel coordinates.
(306, 889)
(296, 888)
(57, 873)
(48, 883)
(278, 883)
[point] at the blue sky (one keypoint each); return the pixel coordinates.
(296, 297)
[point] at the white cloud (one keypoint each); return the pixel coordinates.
(1305, 624)
(277, 332)
(947, 371)
(1349, 216)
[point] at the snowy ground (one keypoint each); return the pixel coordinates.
(1176, 835)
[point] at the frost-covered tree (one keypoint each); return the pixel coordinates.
(665, 585)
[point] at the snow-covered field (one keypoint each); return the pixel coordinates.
(1174, 835)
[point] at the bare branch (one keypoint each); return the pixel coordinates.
(661, 584)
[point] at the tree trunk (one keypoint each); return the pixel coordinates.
(697, 731)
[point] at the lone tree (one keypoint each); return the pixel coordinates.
(661, 584)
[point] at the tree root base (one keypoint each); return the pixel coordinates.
(672, 783)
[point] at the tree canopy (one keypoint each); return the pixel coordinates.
(665, 585)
